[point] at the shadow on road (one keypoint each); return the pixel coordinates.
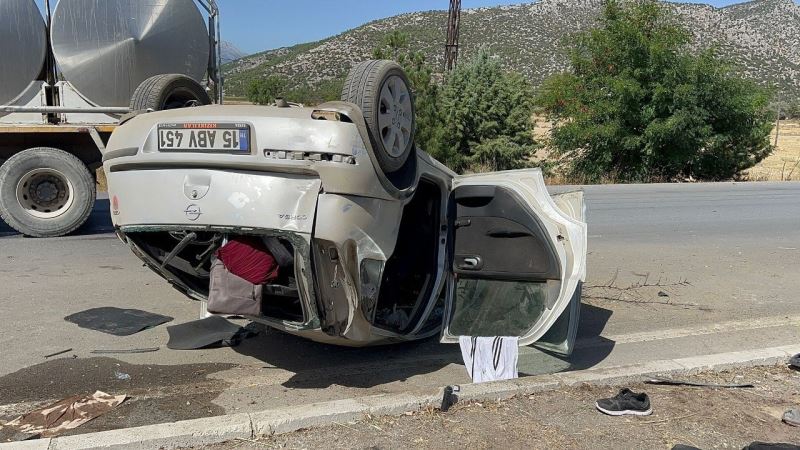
(319, 366)
(590, 349)
(99, 222)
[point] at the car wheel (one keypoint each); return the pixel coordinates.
(382, 90)
(45, 192)
(169, 91)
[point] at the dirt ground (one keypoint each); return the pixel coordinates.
(703, 417)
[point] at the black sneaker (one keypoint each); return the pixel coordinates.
(625, 403)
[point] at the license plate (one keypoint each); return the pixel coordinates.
(204, 137)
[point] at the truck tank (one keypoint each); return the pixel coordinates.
(23, 40)
(106, 48)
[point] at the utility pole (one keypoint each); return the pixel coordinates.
(779, 49)
(453, 29)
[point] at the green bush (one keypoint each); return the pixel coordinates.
(484, 118)
(478, 120)
(637, 105)
(263, 91)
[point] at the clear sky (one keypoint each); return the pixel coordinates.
(257, 25)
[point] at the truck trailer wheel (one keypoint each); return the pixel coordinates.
(382, 90)
(170, 91)
(45, 192)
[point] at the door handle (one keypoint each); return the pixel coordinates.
(507, 234)
(470, 263)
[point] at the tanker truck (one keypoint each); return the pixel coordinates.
(71, 74)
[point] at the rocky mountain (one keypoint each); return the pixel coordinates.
(229, 52)
(761, 37)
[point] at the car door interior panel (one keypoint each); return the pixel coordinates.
(496, 236)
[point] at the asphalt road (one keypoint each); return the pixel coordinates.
(674, 271)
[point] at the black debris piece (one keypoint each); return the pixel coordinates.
(117, 321)
(794, 362)
(450, 397)
(57, 353)
(770, 446)
(213, 331)
(670, 382)
(684, 447)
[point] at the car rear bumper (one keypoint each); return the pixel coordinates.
(214, 198)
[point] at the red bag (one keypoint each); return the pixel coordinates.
(248, 258)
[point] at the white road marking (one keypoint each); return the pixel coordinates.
(700, 330)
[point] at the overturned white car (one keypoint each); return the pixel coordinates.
(380, 243)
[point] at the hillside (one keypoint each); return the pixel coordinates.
(230, 52)
(761, 37)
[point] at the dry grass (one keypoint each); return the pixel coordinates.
(102, 183)
(784, 163)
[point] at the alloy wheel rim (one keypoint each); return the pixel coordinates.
(395, 116)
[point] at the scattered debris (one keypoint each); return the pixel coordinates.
(792, 417)
(794, 362)
(670, 382)
(450, 397)
(66, 414)
(117, 321)
(124, 351)
(57, 353)
(121, 375)
(204, 333)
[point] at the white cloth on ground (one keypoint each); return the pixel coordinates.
(490, 358)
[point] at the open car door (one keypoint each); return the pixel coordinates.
(518, 260)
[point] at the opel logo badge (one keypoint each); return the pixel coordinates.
(193, 212)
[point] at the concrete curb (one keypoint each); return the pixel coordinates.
(283, 420)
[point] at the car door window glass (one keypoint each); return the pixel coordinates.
(496, 308)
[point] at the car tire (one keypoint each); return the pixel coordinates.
(170, 91)
(45, 192)
(382, 90)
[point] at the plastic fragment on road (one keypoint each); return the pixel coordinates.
(204, 333)
(117, 321)
(122, 376)
(65, 415)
